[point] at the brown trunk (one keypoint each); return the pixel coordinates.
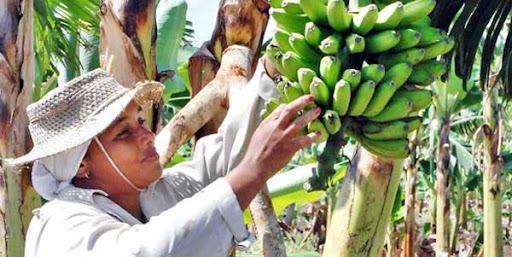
(240, 22)
(267, 230)
(443, 189)
(17, 197)
(128, 45)
(360, 219)
(234, 73)
(410, 199)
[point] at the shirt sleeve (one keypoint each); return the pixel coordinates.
(203, 225)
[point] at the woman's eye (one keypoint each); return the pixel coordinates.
(142, 121)
(124, 132)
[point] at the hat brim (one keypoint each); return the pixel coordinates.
(144, 94)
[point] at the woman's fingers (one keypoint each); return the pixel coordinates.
(301, 142)
(299, 123)
(294, 107)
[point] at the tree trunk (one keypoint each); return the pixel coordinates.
(493, 164)
(17, 197)
(240, 22)
(267, 230)
(233, 73)
(410, 199)
(128, 46)
(361, 216)
(443, 189)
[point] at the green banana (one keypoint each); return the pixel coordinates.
(332, 122)
(421, 98)
(320, 92)
(330, 70)
(421, 77)
(331, 44)
(399, 73)
(436, 49)
(365, 19)
(380, 5)
(292, 62)
(290, 22)
(385, 130)
(315, 10)
(361, 98)
(390, 16)
(272, 52)
(305, 77)
(412, 55)
(280, 88)
(375, 72)
(315, 126)
(380, 98)
(413, 123)
(394, 110)
(353, 77)
(409, 38)
(430, 35)
(282, 38)
(416, 10)
(270, 105)
(435, 68)
(355, 43)
(341, 97)
(292, 7)
(423, 22)
(451, 44)
(314, 34)
(292, 90)
(279, 65)
(392, 149)
(382, 41)
(264, 114)
(338, 16)
(303, 49)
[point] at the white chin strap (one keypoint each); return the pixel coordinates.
(128, 181)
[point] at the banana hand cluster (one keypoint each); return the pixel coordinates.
(367, 67)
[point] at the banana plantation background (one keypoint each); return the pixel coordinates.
(450, 197)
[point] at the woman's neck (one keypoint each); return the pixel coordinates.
(129, 202)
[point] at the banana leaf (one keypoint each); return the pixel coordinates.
(170, 21)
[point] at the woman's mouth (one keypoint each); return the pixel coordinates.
(150, 154)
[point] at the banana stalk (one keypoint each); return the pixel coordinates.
(443, 189)
(361, 216)
(410, 199)
(327, 159)
(493, 165)
(17, 197)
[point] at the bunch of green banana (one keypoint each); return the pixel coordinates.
(363, 67)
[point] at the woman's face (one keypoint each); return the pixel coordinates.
(130, 144)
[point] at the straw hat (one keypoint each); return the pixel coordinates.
(84, 107)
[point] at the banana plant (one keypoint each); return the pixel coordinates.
(17, 197)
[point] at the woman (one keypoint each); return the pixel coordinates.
(95, 162)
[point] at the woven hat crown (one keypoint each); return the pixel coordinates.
(69, 106)
(73, 113)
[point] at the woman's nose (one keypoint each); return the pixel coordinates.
(146, 136)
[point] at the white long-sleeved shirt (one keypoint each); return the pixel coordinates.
(191, 210)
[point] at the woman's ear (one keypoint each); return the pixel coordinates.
(83, 170)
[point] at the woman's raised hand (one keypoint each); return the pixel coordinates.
(272, 145)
